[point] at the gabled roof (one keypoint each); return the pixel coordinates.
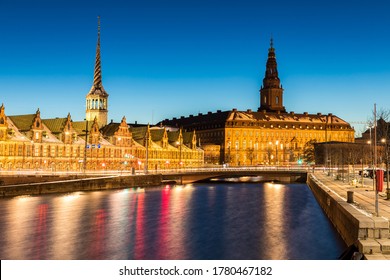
(17, 136)
(49, 137)
(157, 134)
(296, 118)
(55, 125)
(187, 137)
(139, 133)
(110, 129)
(23, 122)
(79, 127)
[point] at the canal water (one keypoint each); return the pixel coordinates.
(197, 222)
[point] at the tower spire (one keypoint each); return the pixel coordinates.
(97, 78)
(97, 98)
(271, 92)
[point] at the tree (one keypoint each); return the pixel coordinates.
(250, 152)
(308, 151)
(382, 124)
(269, 154)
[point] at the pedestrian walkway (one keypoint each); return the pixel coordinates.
(363, 194)
(364, 199)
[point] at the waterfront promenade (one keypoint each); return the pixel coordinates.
(364, 203)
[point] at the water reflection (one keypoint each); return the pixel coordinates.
(199, 221)
(40, 233)
(274, 231)
(139, 217)
(63, 231)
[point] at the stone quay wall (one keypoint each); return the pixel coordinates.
(353, 225)
(85, 184)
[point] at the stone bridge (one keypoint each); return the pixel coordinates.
(40, 183)
(236, 175)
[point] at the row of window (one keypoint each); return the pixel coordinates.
(255, 146)
(53, 151)
(291, 126)
(11, 149)
(291, 134)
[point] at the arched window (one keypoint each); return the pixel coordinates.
(277, 100)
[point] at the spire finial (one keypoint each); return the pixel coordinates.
(272, 42)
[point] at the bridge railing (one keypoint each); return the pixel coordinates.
(231, 169)
(153, 171)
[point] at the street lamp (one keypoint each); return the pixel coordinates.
(147, 151)
(85, 146)
(179, 145)
(375, 162)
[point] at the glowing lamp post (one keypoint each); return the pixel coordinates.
(180, 162)
(167, 164)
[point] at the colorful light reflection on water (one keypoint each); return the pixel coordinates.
(199, 221)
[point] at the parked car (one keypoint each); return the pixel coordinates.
(367, 172)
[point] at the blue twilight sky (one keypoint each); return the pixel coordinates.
(164, 59)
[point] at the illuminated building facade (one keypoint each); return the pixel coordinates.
(270, 135)
(29, 142)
